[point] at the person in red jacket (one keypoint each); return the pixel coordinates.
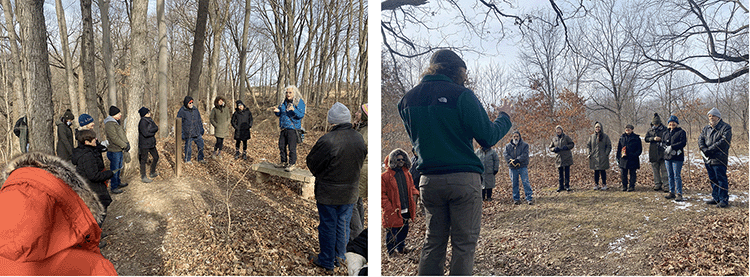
(398, 200)
(49, 224)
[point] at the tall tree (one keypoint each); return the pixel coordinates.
(109, 67)
(69, 77)
(196, 60)
(242, 48)
(162, 71)
(138, 67)
(19, 103)
(39, 87)
(542, 57)
(87, 64)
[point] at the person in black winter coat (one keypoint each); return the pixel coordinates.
(87, 158)
(65, 136)
(192, 128)
(147, 130)
(335, 160)
(628, 149)
(714, 142)
(675, 140)
(242, 121)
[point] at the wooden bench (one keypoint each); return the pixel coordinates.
(265, 169)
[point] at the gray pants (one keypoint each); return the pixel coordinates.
(661, 179)
(453, 205)
(358, 219)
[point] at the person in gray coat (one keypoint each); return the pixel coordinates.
(219, 118)
(655, 138)
(491, 163)
(516, 155)
(561, 145)
(599, 147)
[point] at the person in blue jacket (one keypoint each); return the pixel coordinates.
(192, 128)
(290, 113)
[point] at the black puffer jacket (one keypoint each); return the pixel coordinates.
(242, 121)
(90, 164)
(677, 139)
(633, 149)
(715, 142)
(335, 160)
(147, 129)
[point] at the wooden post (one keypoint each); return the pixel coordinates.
(178, 145)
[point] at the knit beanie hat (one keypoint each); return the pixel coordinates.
(143, 111)
(238, 103)
(715, 112)
(113, 110)
(68, 115)
(673, 118)
(84, 119)
(339, 114)
(656, 120)
(447, 58)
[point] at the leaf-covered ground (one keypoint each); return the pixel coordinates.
(587, 232)
(215, 219)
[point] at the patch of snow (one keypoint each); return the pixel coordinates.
(646, 217)
(118, 217)
(682, 205)
(617, 246)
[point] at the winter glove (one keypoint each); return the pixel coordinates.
(126, 157)
(127, 147)
(557, 149)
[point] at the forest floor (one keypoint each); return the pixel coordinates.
(591, 232)
(215, 219)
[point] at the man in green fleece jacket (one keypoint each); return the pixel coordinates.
(442, 118)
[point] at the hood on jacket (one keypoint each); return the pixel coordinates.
(63, 171)
(600, 126)
(297, 95)
(110, 119)
(186, 101)
(216, 101)
(520, 137)
(390, 160)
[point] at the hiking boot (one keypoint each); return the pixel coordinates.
(189, 162)
(723, 204)
(244, 155)
(631, 189)
(517, 202)
(314, 260)
(146, 179)
(530, 202)
(670, 196)
(679, 198)
(712, 202)
(624, 188)
(236, 155)
(153, 175)
(281, 165)
(657, 187)
(604, 187)
(596, 187)
(567, 188)
(122, 185)
(290, 168)
(117, 191)
(202, 161)
(559, 189)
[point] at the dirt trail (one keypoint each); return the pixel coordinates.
(179, 226)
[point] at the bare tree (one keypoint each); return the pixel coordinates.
(138, 65)
(720, 27)
(16, 76)
(70, 78)
(87, 64)
(39, 87)
(109, 68)
(196, 61)
(242, 48)
(162, 70)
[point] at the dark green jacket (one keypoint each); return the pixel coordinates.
(442, 119)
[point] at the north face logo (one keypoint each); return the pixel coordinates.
(442, 100)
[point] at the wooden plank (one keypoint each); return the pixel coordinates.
(300, 175)
(179, 146)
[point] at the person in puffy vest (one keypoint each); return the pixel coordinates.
(50, 220)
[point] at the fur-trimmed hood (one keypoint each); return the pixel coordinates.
(391, 159)
(62, 170)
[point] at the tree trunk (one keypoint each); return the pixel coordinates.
(19, 102)
(70, 79)
(196, 61)
(40, 113)
(109, 67)
(87, 64)
(243, 52)
(162, 76)
(138, 67)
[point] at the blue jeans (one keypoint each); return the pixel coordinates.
(524, 174)
(189, 150)
(674, 171)
(115, 162)
(719, 185)
(395, 238)
(333, 232)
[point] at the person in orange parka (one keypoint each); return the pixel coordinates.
(398, 200)
(48, 223)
